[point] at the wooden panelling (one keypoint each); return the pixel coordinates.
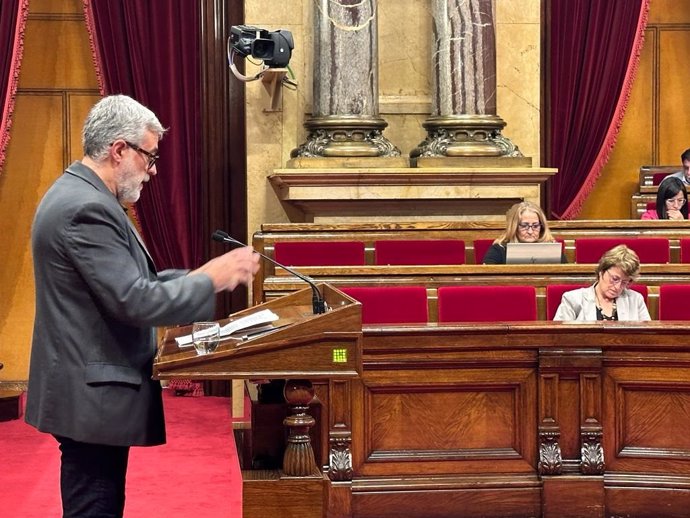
(458, 498)
(573, 497)
(79, 105)
(60, 7)
(669, 11)
(647, 410)
(648, 424)
(631, 495)
(448, 416)
(57, 85)
(34, 160)
(56, 55)
(264, 494)
(674, 90)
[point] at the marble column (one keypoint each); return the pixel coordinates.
(345, 119)
(463, 119)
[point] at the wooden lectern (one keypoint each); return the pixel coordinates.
(300, 347)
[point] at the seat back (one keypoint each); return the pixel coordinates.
(419, 251)
(684, 250)
(486, 303)
(480, 248)
(391, 304)
(554, 294)
(641, 289)
(648, 249)
(657, 178)
(674, 302)
(319, 253)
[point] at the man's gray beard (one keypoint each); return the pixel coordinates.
(127, 195)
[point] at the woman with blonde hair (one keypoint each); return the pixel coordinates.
(609, 297)
(525, 223)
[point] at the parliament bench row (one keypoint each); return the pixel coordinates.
(453, 251)
(432, 277)
(418, 304)
(468, 232)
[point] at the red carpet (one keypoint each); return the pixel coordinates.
(195, 474)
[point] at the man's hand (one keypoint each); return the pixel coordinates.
(231, 269)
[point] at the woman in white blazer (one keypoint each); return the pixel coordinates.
(609, 297)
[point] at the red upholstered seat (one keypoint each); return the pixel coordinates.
(554, 293)
(674, 302)
(684, 250)
(420, 251)
(649, 249)
(486, 303)
(657, 178)
(391, 304)
(480, 248)
(319, 253)
(651, 205)
(641, 289)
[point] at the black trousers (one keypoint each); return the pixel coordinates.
(92, 479)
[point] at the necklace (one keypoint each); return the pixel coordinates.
(600, 310)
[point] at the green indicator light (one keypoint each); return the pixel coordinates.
(339, 355)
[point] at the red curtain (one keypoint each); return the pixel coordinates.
(150, 51)
(595, 47)
(12, 22)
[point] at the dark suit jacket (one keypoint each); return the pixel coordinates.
(98, 298)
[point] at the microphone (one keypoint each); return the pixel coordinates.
(318, 304)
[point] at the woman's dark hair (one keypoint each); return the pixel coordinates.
(669, 188)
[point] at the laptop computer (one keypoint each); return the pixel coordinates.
(533, 253)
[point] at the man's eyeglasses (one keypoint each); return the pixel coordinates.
(151, 156)
(616, 281)
(529, 226)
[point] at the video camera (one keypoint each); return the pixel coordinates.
(274, 48)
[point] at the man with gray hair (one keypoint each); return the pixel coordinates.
(98, 301)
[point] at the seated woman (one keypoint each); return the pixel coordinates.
(609, 297)
(525, 223)
(671, 201)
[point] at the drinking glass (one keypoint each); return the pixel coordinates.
(205, 336)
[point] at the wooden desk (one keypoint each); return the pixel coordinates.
(539, 419)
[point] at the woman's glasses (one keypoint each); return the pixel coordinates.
(617, 281)
(529, 226)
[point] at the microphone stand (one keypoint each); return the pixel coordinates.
(319, 305)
